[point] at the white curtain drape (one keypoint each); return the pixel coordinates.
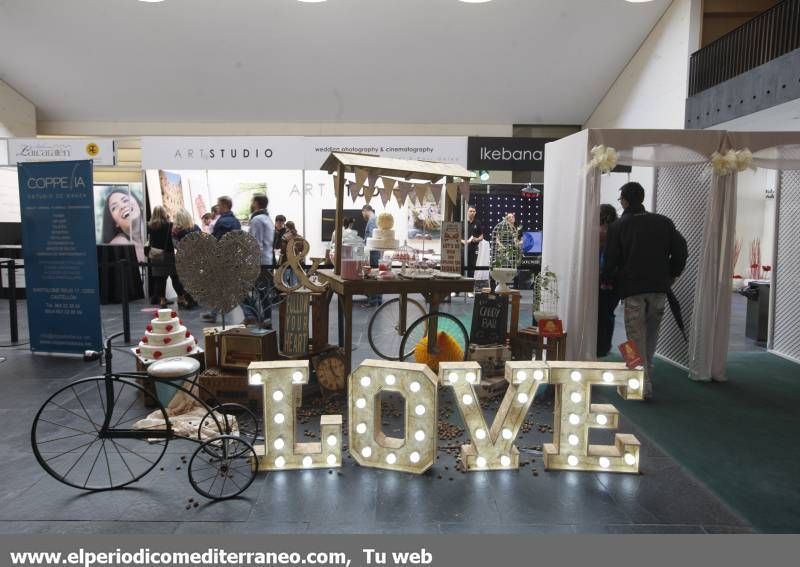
(570, 232)
(710, 329)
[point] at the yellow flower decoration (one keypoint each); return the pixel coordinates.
(448, 350)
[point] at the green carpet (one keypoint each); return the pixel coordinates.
(740, 437)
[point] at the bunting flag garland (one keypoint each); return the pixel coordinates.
(372, 179)
(422, 191)
(353, 189)
(452, 192)
(436, 191)
(386, 191)
(369, 191)
(402, 191)
(463, 188)
(361, 176)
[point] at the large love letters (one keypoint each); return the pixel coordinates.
(491, 447)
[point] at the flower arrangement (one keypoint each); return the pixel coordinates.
(737, 251)
(732, 161)
(755, 259)
(604, 158)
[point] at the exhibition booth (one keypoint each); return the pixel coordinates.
(691, 177)
(191, 172)
(236, 390)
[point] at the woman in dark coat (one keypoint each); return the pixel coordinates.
(162, 256)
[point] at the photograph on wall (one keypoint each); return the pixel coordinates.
(171, 191)
(199, 203)
(243, 195)
(120, 216)
(424, 220)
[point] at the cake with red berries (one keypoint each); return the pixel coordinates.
(165, 337)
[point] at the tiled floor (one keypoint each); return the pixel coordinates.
(663, 499)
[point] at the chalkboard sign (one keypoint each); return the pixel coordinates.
(451, 247)
(489, 319)
(295, 333)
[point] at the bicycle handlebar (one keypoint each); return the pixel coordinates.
(92, 355)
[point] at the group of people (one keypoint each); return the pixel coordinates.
(273, 236)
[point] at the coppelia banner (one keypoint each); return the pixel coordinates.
(227, 152)
(57, 204)
(26, 150)
(291, 152)
(447, 149)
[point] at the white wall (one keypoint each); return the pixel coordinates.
(651, 90)
(17, 114)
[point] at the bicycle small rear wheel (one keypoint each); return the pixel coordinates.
(445, 323)
(228, 419)
(68, 441)
(385, 331)
(223, 467)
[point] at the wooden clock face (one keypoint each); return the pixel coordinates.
(330, 371)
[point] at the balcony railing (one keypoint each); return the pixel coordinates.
(769, 35)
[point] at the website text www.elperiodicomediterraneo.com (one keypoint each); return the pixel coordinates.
(212, 557)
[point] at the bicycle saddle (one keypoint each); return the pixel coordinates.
(174, 368)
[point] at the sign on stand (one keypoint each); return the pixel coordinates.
(295, 333)
(58, 235)
(489, 319)
(451, 247)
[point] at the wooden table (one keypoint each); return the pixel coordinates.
(434, 291)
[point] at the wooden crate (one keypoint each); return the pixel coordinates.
(235, 347)
(223, 386)
(529, 345)
(492, 360)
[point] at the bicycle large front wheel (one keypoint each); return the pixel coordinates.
(451, 345)
(388, 325)
(70, 441)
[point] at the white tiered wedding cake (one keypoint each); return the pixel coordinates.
(383, 237)
(166, 337)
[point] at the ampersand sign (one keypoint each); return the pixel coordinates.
(294, 260)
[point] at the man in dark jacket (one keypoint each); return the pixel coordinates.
(644, 255)
(225, 223)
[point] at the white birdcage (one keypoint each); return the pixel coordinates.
(506, 253)
(545, 295)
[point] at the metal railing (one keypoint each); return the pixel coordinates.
(769, 35)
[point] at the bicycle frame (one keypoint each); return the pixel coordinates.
(108, 432)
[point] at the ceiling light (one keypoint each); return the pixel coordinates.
(638, 1)
(151, 1)
(475, 1)
(311, 1)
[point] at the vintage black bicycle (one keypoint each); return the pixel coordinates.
(109, 431)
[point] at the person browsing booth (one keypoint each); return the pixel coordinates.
(644, 255)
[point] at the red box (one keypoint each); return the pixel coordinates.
(551, 328)
(631, 354)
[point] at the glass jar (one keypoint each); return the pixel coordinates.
(353, 259)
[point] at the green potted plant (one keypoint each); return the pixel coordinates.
(545, 295)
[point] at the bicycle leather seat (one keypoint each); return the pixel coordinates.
(174, 368)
